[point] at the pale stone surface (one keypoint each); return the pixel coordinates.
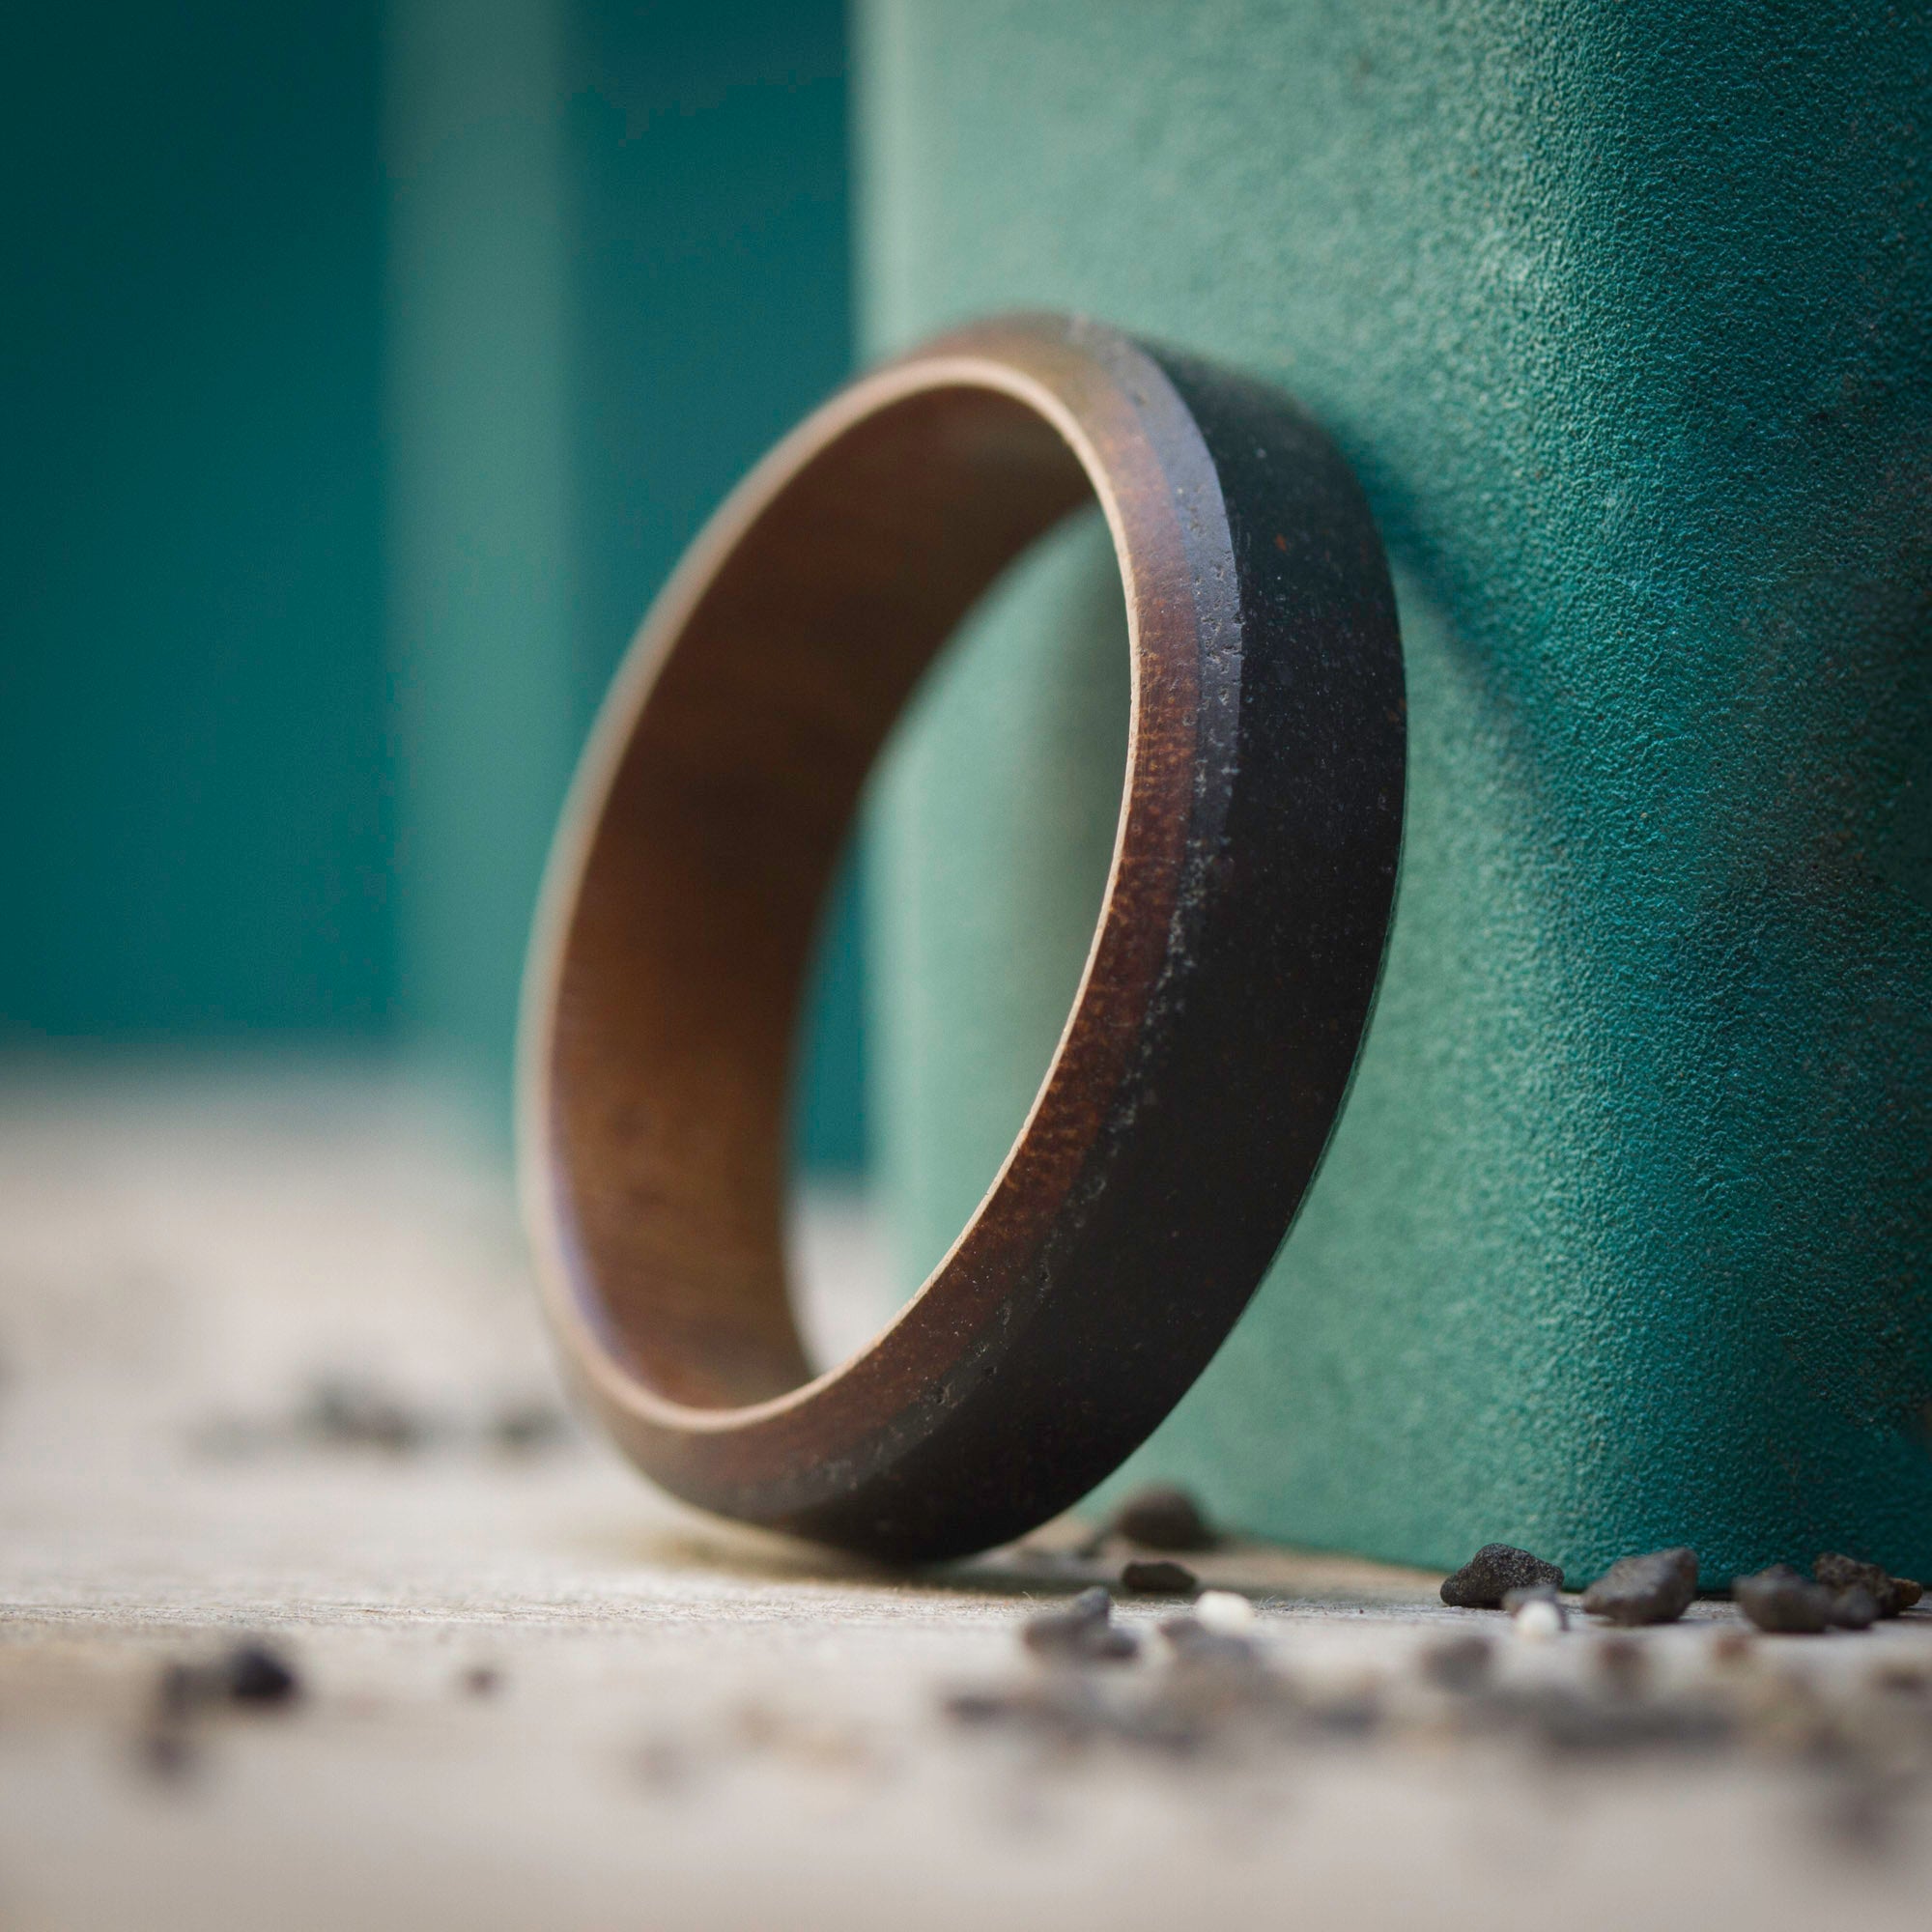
(691, 1726)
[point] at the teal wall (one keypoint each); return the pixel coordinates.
(193, 689)
(711, 162)
(1624, 314)
(363, 369)
(618, 272)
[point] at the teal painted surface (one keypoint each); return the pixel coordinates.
(1624, 314)
(480, 552)
(711, 307)
(193, 699)
(619, 272)
(363, 369)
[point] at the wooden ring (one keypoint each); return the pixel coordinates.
(1224, 997)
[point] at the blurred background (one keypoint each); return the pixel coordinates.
(366, 368)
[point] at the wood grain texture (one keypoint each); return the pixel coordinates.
(1218, 1019)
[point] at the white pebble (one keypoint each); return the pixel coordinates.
(1538, 1620)
(1224, 1612)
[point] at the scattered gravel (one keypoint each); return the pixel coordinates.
(1495, 1569)
(1892, 1595)
(1781, 1600)
(1158, 1576)
(1653, 1589)
(1164, 1517)
(1854, 1609)
(250, 1673)
(258, 1675)
(1193, 1641)
(1082, 1633)
(347, 1410)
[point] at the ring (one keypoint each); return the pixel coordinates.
(1217, 1021)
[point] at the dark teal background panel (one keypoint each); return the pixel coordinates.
(711, 178)
(363, 370)
(193, 687)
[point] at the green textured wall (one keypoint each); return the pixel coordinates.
(1624, 313)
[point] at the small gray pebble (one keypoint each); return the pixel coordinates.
(1083, 1633)
(1893, 1595)
(1854, 1610)
(1653, 1589)
(250, 1673)
(1164, 1517)
(1780, 1601)
(1158, 1576)
(256, 1674)
(351, 1409)
(1495, 1569)
(1194, 1643)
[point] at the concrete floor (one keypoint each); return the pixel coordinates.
(683, 1725)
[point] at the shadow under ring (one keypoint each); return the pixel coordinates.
(1218, 1019)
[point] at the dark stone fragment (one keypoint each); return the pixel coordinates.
(1780, 1601)
(1458, 1663)
(1838, 1572)
(1158, 1576)
(352, 1411)
(1194, 1643)
(480, 1680)
(255, 1675)
(1892, 1595)
(1162, 1517)
(1653, 1589)
(1495, 1569)
(1083, 1633)
(250, 1673)
(1854, 1610)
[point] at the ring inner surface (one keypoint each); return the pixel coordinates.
(687, 945)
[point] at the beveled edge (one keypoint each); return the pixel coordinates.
(809, 1456)
(1006, 356)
